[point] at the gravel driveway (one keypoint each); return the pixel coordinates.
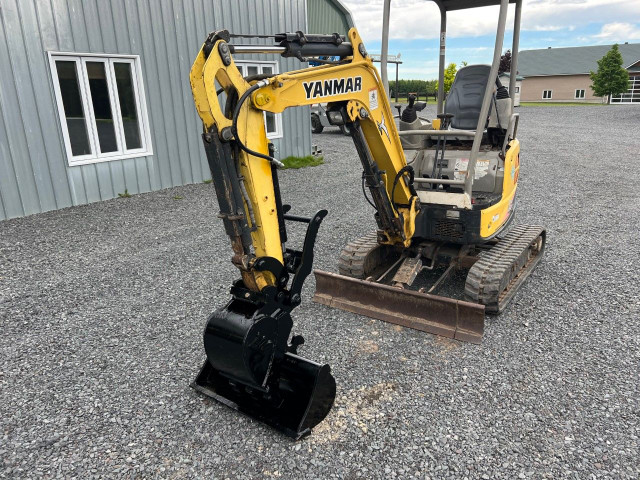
(102, 309)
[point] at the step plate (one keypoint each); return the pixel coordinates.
(429, 313)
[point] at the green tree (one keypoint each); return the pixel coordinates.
(611, 78)
(420, 87)
(505, 62)
(449, 75)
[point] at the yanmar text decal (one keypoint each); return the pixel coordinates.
(335, 86)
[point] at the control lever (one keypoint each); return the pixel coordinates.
(445, 122)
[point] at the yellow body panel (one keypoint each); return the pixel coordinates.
(255, 171)
(367, 102)
(493, 217)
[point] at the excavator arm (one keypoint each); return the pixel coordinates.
(357, 99)
(251, 363)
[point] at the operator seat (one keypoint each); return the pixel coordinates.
(465, 97)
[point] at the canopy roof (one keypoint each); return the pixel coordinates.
(449, 5)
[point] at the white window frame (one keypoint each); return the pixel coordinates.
(578, 93)
(517, 89)
(243, 64)
(550, 94)
(632, 95)
(108, 60)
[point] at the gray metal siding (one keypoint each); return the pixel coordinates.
(324, 16)
(34, 172)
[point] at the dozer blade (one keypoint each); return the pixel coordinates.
(301, 400)
(429, 313)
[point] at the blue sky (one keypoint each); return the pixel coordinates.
(545, 23)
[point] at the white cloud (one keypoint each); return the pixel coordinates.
(551, 28)
(411, 19)
(420, 20)
(612, 32)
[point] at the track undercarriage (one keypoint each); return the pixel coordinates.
(383, 282)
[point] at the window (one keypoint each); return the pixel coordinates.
(632, 95)
(547, 94)
(517, 89)
(579, 93)
(101, 105)
(272, 121)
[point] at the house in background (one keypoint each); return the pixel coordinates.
(95, 97)
(562, 74)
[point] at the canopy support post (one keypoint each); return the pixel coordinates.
(443, 39)
(486, 101)
(513, 74)
(385, 46)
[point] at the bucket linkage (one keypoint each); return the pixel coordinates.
(250, 364)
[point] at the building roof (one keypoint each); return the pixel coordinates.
(508, 75)
(571, 60)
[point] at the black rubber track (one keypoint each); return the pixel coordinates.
(355, 259)
(497, 275)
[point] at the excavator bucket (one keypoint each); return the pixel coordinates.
(248, 369)
(305, 393)
(429, 313)
(251, 365)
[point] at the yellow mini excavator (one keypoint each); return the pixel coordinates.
(451, 206)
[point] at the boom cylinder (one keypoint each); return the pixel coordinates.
(298, 45)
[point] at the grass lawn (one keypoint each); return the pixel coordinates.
(300, 162)
(560, 104)
(523, 104)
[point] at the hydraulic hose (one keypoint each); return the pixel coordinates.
(234, 125)
(364, 192)
(406, 169)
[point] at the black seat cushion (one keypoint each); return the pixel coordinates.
(465, 97)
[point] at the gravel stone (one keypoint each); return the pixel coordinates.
(102, 309)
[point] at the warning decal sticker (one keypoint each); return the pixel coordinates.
(460, 172)
(373, 98)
